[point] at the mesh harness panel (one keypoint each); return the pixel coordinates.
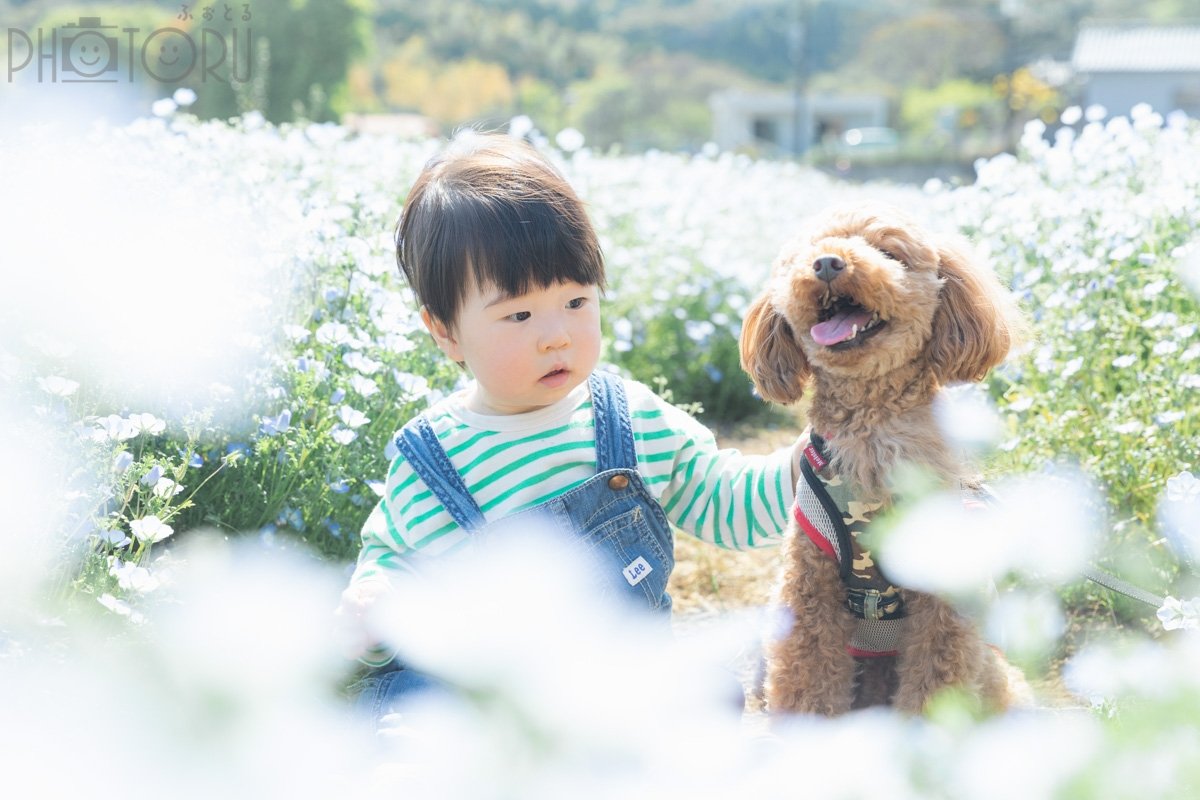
(830, 517)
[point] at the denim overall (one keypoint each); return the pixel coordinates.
(612, 514)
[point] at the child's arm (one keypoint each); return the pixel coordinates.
(733, 500)
(379, 564)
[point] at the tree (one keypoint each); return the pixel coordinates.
(930, 48)
(292, 58)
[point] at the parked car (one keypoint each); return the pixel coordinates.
(875, 141)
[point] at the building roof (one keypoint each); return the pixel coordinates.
(1132, 46)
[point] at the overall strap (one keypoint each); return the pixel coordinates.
(421, 448)
(614, 430)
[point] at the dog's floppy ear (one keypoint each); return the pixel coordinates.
(976, 322)
(771, 355)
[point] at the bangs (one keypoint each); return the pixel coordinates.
(529, 245)
(493, 210)
(517, 239)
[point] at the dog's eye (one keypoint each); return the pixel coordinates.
(888, 255)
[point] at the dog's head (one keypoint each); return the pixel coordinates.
(863, 292)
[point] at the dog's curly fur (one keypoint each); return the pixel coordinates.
(943, 318)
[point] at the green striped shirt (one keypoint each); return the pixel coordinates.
(511, 463)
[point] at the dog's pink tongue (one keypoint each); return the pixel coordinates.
(841, 327)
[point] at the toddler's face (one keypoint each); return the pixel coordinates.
(525, 351)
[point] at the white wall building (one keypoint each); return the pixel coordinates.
(1123, 64)
(768, 120)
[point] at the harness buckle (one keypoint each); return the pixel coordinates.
(873, 604)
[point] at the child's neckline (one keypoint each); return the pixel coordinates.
(560, 411)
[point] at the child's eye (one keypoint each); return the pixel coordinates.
(578, 302)
(520, 316)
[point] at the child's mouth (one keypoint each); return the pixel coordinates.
(555, 376)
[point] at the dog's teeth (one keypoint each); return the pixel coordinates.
(853, 331)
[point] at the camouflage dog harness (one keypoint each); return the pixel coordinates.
(831, 517)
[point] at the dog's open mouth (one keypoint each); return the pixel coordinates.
(843, 323)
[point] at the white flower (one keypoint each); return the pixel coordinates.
(1124, 361)
(1178, 614)
(356, 360)
(131, 577)
(334, 333)
(118, 606)
(1190, 381)
(698, 330)
(1168, 417)
(296, 333)
(1072, 367)
(1128, 427)
(165, 487)
(519, 126)
(1071, 115)
(164, 107)
(351, 417)
(1161, 319)
(116, 428)
(147, 423)
(184, 97)
(150, 529)
(414, 386)
(59, 387)
(1164, 347)
(343, 435)
(1021, 404)
(569, 140)
(1183, 488)
(364, 387)
(115, 538)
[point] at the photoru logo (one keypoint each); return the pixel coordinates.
(89, 52)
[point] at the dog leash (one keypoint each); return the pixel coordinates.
(1110, 581)
(1096, 575)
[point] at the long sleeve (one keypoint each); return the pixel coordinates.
(732, 500)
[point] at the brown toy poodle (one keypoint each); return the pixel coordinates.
(871, 315)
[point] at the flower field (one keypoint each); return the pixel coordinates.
(203, 329)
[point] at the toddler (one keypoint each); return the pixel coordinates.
(501, 256)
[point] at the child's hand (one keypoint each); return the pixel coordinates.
(797, 454)
(357, 601)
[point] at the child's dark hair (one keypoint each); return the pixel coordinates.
(492, 204)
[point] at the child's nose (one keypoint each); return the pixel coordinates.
(555, 337)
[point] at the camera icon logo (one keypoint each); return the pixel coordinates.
(87, 50)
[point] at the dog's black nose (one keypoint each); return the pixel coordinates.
(828, 267)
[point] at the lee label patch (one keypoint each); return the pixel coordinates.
(636, 571)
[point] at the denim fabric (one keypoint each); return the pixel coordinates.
(613, 515)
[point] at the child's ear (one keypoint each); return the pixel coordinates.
(442, 335)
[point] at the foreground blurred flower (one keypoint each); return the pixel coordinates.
(59, 387)
(150, 529)
(1179, 516)
(967, 417)
(1043, 526)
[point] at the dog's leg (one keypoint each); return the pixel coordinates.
(809, 670)
(940, 649)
